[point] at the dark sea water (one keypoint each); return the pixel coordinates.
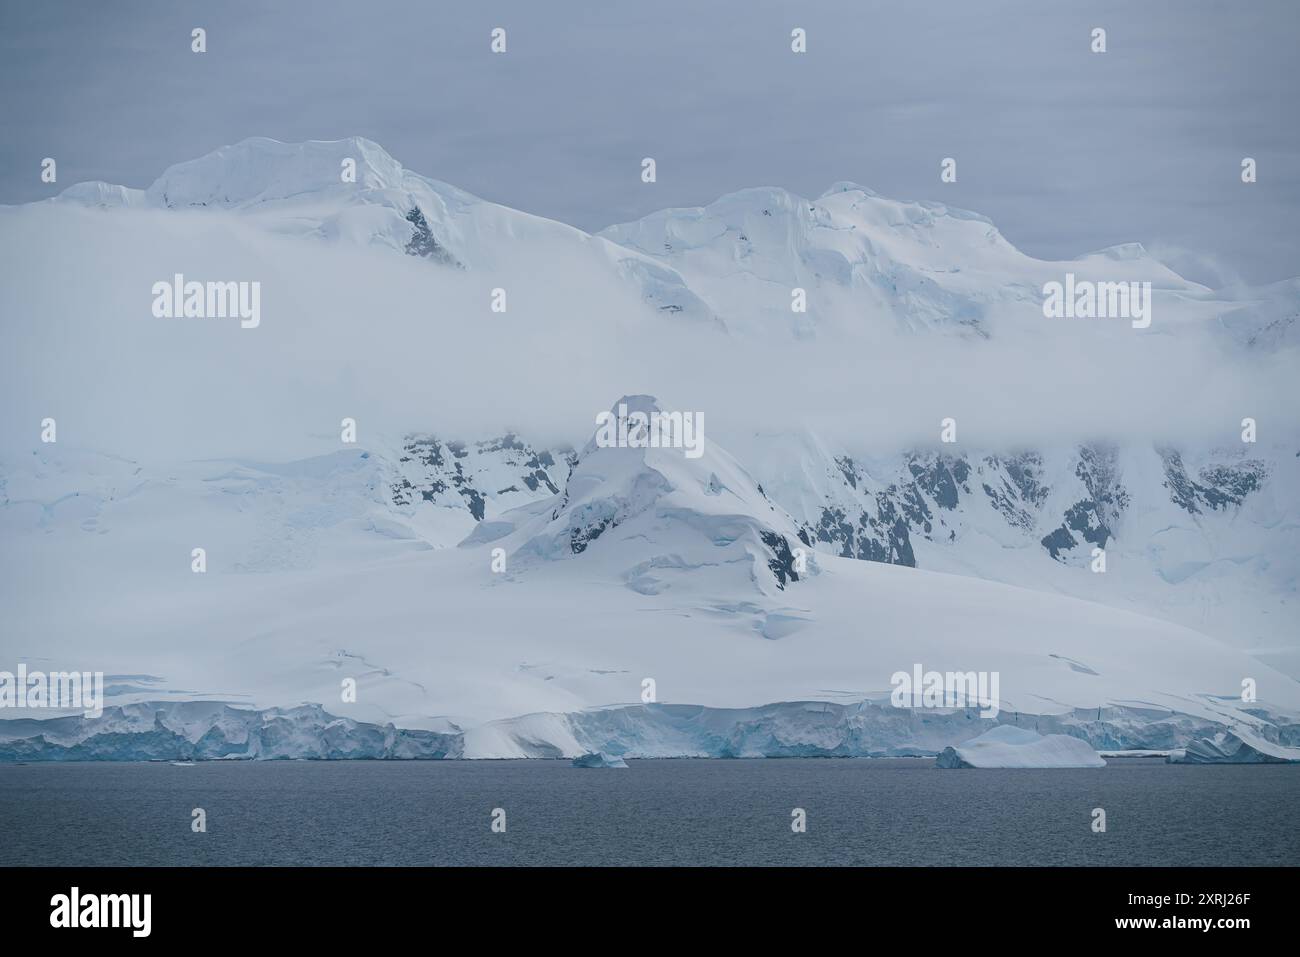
(859, 811)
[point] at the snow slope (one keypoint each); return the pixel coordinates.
(1205, 536)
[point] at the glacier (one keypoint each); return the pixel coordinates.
(641, 564)
(598, 759)
(207, 730)
(1236, 746)
(497, 585)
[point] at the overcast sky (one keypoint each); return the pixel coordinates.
(1066, 150)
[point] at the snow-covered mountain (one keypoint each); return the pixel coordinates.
(674, 521)
(862, 258)
(488, 572)
(644, 564)
(299, 190)
(1203, 536)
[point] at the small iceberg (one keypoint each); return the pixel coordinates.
(598, 759)
(1007, 746)
(181, 764)
(1228, 747)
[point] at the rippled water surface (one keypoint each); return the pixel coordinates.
(859, 811)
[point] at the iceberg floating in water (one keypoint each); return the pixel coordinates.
(598, 759)
(1011, 747)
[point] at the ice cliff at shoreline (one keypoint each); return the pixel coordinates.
(199, 730)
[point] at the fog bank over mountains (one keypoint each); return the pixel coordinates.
(377, 304)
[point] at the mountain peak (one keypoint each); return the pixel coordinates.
(260, 169)
(1121, 252)
(845, 186)
(636, 403)
(99, 193)
(658, 512)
